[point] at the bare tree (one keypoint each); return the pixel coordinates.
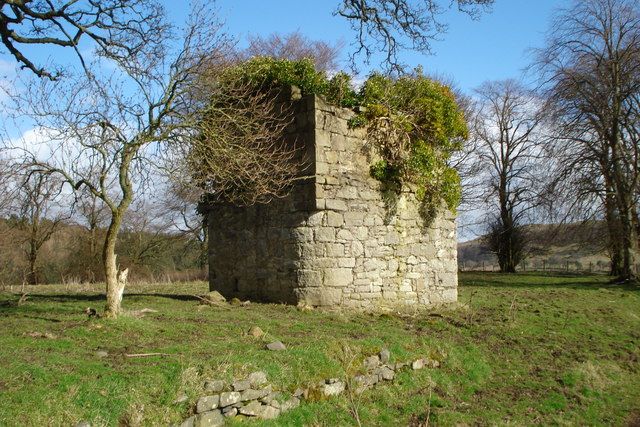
(243, 155)
(389, 26)
(39, 216)
(181, 211)
(119, 28)
(507, 152)
(590, 69)
(295, 46)
(91, 213)
(102, 131)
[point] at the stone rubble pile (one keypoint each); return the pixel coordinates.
(253, 397)
(249, 397)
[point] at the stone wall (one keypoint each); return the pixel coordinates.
(337, 239)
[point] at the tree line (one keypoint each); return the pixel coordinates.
(567, 149)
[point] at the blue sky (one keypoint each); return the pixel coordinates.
(494, 47)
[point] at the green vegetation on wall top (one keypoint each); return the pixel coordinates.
(413, 121)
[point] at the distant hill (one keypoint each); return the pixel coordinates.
(576, 246)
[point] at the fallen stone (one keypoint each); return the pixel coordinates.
(269, 413)
(229, 398)
(257, 378)
(207, 403)
(385, 373)
(417, 364)
(235, 301)
(255, 394)
(241, 385)
(384, 355)
(213, 297)
(371, 362)
(83, 424)
(271, 399)
(290, 404)
(189, 422)
(363, 382)
(102, 354)
(298, 392)
(210, 419)
(230, 411)
(276, 346)
(181, 399)
(214, 386)
(255, 332)
(333, 389)
(253, 409)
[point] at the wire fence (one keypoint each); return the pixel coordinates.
(544, 265)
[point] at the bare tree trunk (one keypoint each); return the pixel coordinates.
(115, 286)
(629, 241)
(623, 199)
(32, 276)
(613, 228)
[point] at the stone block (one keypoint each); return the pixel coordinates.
(347, 192)
(323, 138)
(319, 297)
(210, 419)
(207, 403)
(334, 249)
(337, 277)
(344, 234)
(322, 168)
(304, 234)
(335, 205)
(325, 234)
(347, 262)
(315, 219)
(334, 219)
(309, 278)
(392, 238)
(331, 157)
(356, 249)
(354, 219)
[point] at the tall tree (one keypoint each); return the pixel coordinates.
(181, 201)
(92, 214)
(295, 46)
(507, 152)
(39, 217)
(590, 69)
(120, 28)
(102, 131)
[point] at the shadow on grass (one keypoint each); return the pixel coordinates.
(551, 280)
(101, 297)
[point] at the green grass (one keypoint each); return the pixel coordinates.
(522, 349)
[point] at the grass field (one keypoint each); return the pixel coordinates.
(521, 349)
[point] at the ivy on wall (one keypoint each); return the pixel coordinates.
(414, 122)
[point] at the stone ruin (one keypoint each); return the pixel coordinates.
(337, 239)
